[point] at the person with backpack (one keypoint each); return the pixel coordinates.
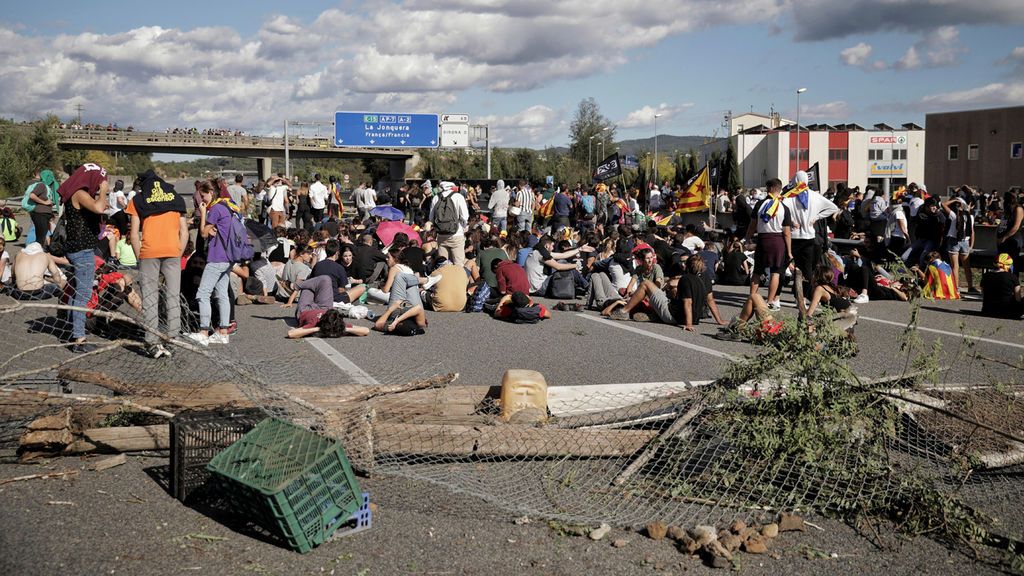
(450, 215)
(227, 243)
(159, 234)
(39, 201)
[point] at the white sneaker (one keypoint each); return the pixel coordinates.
(198, 338)
(218, 338)
(431, 280)
(861, 299)
(775, 305)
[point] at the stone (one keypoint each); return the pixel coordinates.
(747, 533)
(755, 545)
(703, 534)
(676, 533)
(715, 555)
(737, 526)
(731, 542)
(790, 523)
(656, 530)
(770, 530)
(600, 532)
(620, 543)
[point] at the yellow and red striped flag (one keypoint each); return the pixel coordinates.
(697, 196)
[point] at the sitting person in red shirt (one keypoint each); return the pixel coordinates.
(519, 308)
(511, 277)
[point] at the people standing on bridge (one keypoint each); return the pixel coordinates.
(159, 234)
(318, 198)
(450, 215)
(84, 196)
(40, 202)
(277, 200)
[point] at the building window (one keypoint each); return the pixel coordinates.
(1016, 150)
(838, 154)
(899, 154)
(972, 151)
(876, 154)
(954, 152)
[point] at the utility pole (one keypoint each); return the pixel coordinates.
(483, 132)
(287, 156)
(79, 108)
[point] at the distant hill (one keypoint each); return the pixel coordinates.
(667, 144)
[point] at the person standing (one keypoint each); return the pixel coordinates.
(526, 200)
(450, 215)
(84, 196)
(40, 202)
(276, 200)
(319, 195)
(239, 195)
(336, 208)
(806, 208)
(773, 225)
(215, 225)
(159, 234)
(498, 204)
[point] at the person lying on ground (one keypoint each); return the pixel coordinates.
(519, 308)
(316, 313)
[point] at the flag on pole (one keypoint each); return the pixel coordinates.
(697, 196)
(610, 167)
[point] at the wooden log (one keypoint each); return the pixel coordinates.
(675, 429)
(620, 415)
(504, 441)
(108, 462)
(45, 440)
(129, 438)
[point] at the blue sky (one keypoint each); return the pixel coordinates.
(522, 66)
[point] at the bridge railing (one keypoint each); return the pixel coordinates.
(101, 137)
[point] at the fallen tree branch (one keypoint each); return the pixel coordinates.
(954, 415)
(45, 476)
(653, 446)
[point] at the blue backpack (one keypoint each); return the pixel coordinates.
(237, 245)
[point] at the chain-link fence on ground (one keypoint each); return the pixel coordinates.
(804, 434)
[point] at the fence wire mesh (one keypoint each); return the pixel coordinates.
(684, 455)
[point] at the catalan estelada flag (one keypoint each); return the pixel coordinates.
(697, 196)
(545, 209)
(940, 283)
(770, 209)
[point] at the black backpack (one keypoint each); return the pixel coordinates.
(562, 285)
(446, 216)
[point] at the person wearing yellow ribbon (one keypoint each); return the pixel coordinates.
(1001, 293)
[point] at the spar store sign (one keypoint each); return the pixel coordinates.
(886, 169)
(888, 140)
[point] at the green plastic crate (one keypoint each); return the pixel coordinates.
(289, 480)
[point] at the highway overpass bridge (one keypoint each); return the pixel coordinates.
(261, 148)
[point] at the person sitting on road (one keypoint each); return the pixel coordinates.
(36, 275)
(937, 278)
(344, 291)
(542, 260)
(316, 313)
(449, 294)
(1001, 293)
(827, 295)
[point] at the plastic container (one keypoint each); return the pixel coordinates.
(524, 396)
(198, 436)
(290, 481)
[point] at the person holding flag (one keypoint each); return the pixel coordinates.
(697, 194)
(939, 282)
(806, 208)
(159, 234)
(773, 225)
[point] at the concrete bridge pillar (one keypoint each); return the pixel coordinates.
(263, 168)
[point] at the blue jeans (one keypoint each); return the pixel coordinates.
(525, 221)
(215, 278)
(84, 263)
(500, 222)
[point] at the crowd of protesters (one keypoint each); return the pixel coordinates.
(394, 255)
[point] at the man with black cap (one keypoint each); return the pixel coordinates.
(159, 234)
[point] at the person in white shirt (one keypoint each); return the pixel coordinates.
(451, 228)
(806, 207)
(277, 200)
(366, 199)
(772, 222)
(498, 204)
(318, 198)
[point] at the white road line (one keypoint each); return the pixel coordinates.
(624, 326)
(945, 333)
(358, 375)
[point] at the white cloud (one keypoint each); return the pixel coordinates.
(536, 126)
(934, 49)
(826, 111)
(994, 94)
(909, 61)
(859, 56)
(1015, 58)
(825, 19)
(645, 116)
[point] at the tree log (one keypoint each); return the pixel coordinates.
(129, 438)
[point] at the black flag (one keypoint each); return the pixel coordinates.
(610, 167)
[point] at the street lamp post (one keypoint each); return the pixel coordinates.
(655, 170)
(743, 163)
(798, 93)
(590, 155)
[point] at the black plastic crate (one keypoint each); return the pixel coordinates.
(198, 436)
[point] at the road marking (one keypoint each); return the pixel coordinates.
(945, 333)
(358, 375)
(623, 326)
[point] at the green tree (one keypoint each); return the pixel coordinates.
(732, 169)
(589, 127)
